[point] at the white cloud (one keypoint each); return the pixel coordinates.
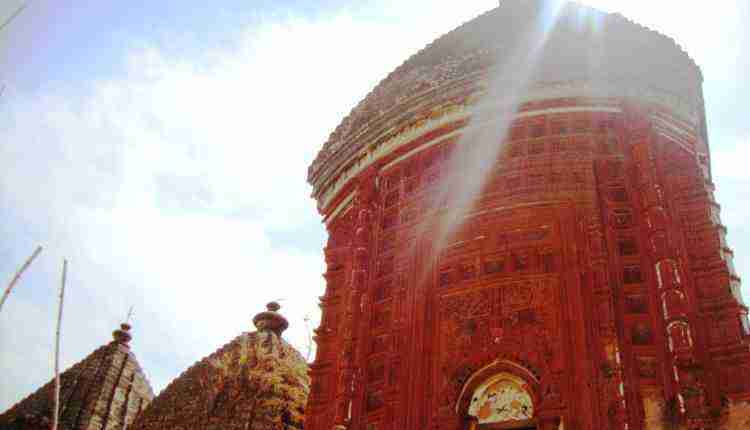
(164, 186)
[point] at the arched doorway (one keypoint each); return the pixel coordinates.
(502, 395)
(502, 401)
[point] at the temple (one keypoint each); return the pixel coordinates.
(256, 382)
(523, 234)
(105, 390)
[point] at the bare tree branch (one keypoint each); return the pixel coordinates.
(18, 276)
(12, 17)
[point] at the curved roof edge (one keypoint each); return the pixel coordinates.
(481, 33)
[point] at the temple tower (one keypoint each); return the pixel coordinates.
(523, 234)
(255, 382)
(105, 390)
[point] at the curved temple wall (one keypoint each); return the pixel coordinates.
(568, 44)
(557, 225)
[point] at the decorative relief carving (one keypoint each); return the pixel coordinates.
(636, 304)
(521, 260)
(380, 317)
(673, 304)
(679, 336)
(391, 199)
(385, 266)
(622, 218)
(387, 242)
(524, 327)
(617, 195)
(374, 400)
(517, 296)
(605, 312)
(667, 274)
(725, 329)
(632, 274)
(656, 219)
(389, 220)
(380, 344)
(551, 392)
(505, 239)
(734, 375)
(494, 266)
(376, 372)
(502, 398)
(600, 278)
(640, 334)
(383, 290)
(506, 259)
(467, 334)
(660, 247)
(597, 245)
(647, 367)
(627, 246)
(466, 305)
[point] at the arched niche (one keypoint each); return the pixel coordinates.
(679, 336)
(667, 273)
(502, 394)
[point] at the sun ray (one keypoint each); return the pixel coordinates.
(482, 140)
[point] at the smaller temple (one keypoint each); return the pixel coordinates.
(105, 390)
(256, 381)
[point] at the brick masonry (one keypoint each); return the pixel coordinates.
(256, 381)
(104, 391)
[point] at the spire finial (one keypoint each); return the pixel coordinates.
(271, 320)
(122, 335)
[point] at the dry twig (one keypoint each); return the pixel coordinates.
(18, 275)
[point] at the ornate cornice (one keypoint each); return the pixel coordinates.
(683, 119)
(458, 64)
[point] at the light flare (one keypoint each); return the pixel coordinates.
(481, 142)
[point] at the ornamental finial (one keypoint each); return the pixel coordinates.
(271, 320)
(122, 335)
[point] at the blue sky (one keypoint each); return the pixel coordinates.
(162, 147)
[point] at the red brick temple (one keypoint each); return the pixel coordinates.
(257, 381)
(523, 234)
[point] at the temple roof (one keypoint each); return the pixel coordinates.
(257, 380)
(573, 44)
(106, 389)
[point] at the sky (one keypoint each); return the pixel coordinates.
(162, 148)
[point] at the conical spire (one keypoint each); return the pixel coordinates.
(87, 391)
(258, 380)
(271, 320)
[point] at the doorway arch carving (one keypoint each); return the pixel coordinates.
(501, 395)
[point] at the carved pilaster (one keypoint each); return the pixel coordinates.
(687, 372)
(352, 357)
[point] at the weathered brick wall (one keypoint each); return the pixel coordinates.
(257, 381)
